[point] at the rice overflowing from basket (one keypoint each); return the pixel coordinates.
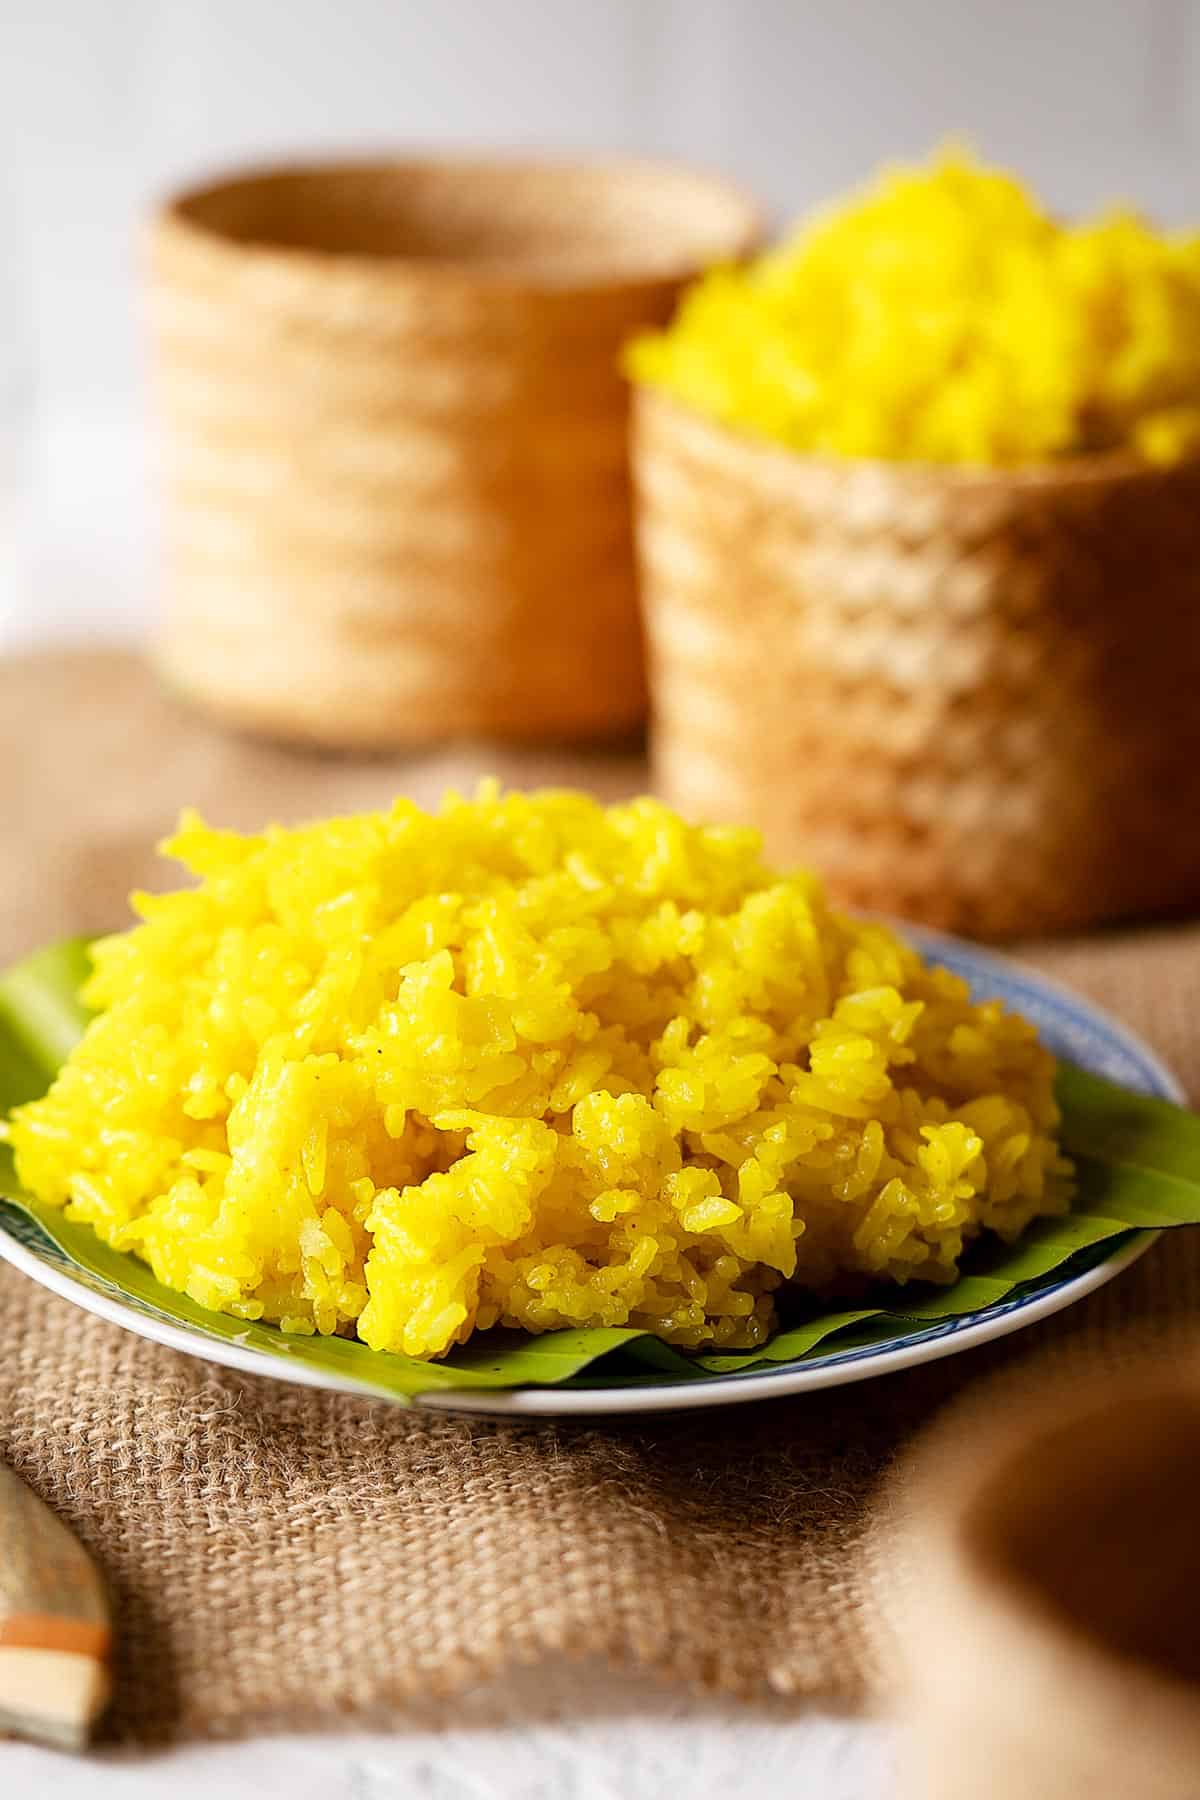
(530, 1062)
(943, 315)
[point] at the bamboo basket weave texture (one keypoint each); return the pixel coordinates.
(970, 697)
(395, 440)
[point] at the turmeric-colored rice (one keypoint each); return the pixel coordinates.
(943, 315)
(530, 1062)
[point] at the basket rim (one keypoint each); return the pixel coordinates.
(947, 1501)
(746, 228)
(1080, 469)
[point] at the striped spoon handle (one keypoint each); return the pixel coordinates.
(55, 1629)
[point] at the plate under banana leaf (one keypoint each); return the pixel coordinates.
(1136, 1151)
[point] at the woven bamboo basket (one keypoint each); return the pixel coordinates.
(971, 698)
(1044, 1635)
(395, 440)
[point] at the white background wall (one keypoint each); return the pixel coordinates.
(106, 103)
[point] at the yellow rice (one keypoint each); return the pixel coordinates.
(942, 315)
(530, 1062)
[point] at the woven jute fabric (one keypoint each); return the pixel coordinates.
(283, 1556)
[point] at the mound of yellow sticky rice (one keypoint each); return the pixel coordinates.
(943, 315)
(536, 1063)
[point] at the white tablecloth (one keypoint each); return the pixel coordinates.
(703, 1752)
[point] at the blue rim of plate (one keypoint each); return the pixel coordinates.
(1073, 1028)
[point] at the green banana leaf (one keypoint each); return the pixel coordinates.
(1138, 1161)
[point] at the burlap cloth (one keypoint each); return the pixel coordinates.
(283, 1556)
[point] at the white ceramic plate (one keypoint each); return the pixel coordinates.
(1073, 1029)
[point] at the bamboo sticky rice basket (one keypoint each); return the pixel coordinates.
(971, 697)
(1044, 1636)
(395, 440)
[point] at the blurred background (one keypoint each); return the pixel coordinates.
(104, 104)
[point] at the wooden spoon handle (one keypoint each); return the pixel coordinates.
(55, 1626)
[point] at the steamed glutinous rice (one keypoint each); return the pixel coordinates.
(943, 315)
(535, 1062)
